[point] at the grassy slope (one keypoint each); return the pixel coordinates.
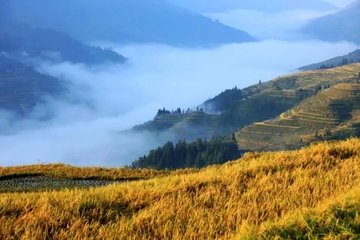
(310, 193)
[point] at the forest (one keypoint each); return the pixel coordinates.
(197, 154)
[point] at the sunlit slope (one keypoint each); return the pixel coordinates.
(310, 193)
(332, 113)
(268, 100)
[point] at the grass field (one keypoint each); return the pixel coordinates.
(311, 193)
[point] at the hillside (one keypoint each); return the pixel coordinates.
(333, 113)
(48, 44)
(127, 21)
(312, 193)
(21, 87)
(350, 58)
(233, 109)
(212, 6)
(340, 26)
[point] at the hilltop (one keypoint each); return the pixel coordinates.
(127, 21)
(349, 58)
(311, 193)
(340, 26)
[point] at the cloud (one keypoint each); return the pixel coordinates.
(118, 97)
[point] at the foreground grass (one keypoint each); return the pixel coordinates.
(311, 193)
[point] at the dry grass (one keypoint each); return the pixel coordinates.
(311, 193)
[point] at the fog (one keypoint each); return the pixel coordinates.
(261, 24)
(118, 97)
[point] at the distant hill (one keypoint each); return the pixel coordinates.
(22, 88)
(126, 21)
(340, 26)
(211, 6)
(49, 44)
(350, 58)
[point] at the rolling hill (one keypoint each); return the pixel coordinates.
(340, 26)
(312, 193)
(126, 21)
(212, 6)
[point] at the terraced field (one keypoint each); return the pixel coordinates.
(21, 87)
(58, 176)
(31, 183)
(331, 114)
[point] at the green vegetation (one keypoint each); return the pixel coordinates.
(196, 154)
(312, 193)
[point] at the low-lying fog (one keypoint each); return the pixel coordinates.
(121, 96)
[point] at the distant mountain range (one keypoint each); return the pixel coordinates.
(340, 26)
(212, 6)
(126, 21)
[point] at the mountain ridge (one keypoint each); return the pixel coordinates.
(128, 21)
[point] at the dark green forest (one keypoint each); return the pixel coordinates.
(197, 154)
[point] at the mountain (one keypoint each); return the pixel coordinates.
(22, 88)
(340, 26)
(350, 58)
(16, 38)
(126, 21)
(212, 6)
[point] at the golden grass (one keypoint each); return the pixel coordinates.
(261, 196)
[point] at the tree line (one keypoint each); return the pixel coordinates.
(198, 154)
